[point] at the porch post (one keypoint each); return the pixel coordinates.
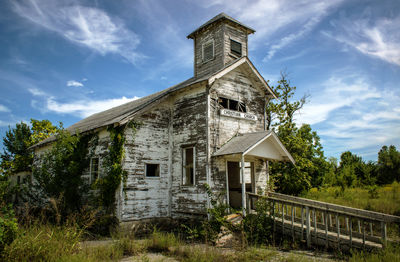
(267, 171)
(243, 186)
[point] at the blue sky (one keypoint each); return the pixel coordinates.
(64, 60)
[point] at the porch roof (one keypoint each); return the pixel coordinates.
(264, 144)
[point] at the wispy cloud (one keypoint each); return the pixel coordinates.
(80, 108)
(349, 112)
(335, 93)
(85, 108)
(86, 26)
(74, 83)
(378, 38)
(278, 18)
(4, 108)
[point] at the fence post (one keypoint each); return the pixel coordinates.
(302, 222)
(326, 230)
(363, 232)
(384, 236)
(338, 230)
(351, 233)
(283, 218)
(315, 226)
(308, 235)
(292, 223)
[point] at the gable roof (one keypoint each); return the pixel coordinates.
(221, 16)
(123, 113)
(247, 143)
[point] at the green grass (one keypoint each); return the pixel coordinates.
(63, 243)
(386, 201)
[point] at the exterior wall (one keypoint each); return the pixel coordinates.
(235, 85)
(99, 150)
(238, 35)
(215, 33)
(165, 130)
(189, 128)
(146, 197)
(221, 34)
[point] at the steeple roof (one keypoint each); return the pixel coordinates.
(221, 17)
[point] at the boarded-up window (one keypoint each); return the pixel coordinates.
(94, 169)
(188, 166)
(152, 170)
(208, 51)
(236, 48)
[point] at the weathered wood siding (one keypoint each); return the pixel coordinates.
(234, 85)
(145, 197)
(236, 34)
(189, 128)
(213, 33)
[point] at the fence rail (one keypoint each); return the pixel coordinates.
(321, 223)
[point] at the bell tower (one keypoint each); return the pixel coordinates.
(217, 43)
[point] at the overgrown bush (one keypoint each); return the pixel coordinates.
(8, 226)
(259, 225)
(216, 213)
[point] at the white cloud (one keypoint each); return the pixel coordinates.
(349, 112)
(335, 93)
(279, 18)
(81, 108)
(86, 26)
(74, 83)
(37, 92)
(85, 108)
(4, 108)
(380, 38)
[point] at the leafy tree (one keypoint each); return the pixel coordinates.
(16, 156)
(302, 143)
(58, 173)
(388, 165)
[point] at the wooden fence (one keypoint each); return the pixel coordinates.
(322, 223)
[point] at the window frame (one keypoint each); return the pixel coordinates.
(202, 50)
(240, 106)
(152, 177)
(92, 180)
(184, 165)
(233, 52)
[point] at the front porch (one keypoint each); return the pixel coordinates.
(246, 159)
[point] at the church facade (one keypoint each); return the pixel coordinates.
(209, 129)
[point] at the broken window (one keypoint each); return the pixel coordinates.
(232, 104)
(188, 166)
(94, 169)
(152, 170)
(208, 51)
(236, 48)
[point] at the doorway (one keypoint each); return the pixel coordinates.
(235, 182)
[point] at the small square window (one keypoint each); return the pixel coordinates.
(236, 48)
(208, 51)
(152, 170)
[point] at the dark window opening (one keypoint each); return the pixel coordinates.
(94, 169)
(188, 166)
(232, 104)
(208, 51)
(236, 48)
(152, 170)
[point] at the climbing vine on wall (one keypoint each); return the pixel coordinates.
(113, 169)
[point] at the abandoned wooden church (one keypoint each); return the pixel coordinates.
(209, 129)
